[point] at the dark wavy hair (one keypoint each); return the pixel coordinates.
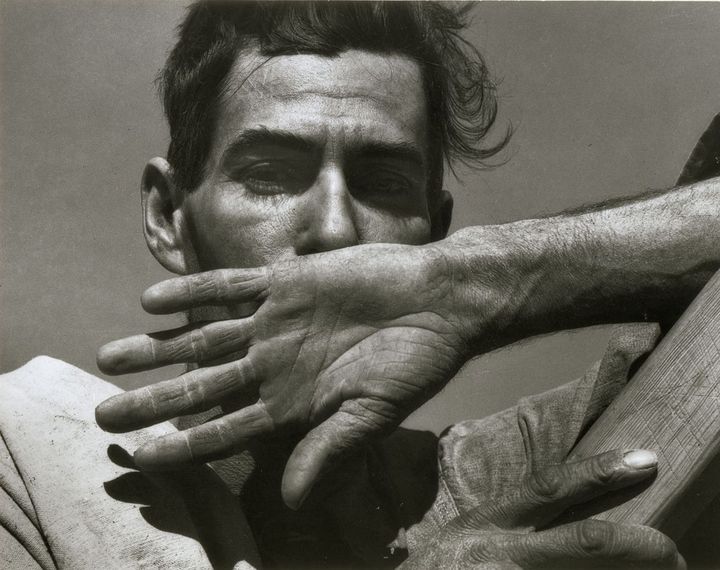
(459, 91)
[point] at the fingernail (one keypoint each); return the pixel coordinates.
(640, 459)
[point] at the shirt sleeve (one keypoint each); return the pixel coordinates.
(481, 461)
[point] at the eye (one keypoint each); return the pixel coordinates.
(272, 177)
(390, 184)
(384, 184)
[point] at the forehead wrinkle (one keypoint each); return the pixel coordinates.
(298, 95)
(376, 80)
(317, 69)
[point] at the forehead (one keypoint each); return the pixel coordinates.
(354, 95)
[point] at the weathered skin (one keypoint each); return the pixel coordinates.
(339, 342)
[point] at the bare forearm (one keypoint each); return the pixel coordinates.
(644, 259)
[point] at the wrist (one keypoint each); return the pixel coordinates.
(494, 276)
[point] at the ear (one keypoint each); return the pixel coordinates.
(441, 216)
(163, 223)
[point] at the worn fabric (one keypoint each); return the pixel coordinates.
(69, 497)
(481, 461)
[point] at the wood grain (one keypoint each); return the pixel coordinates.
(671, 406)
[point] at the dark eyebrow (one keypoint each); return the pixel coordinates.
(371, 149)
(262, 136)
(405, 152)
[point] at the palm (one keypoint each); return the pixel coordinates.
(355, 340)
(344, 344)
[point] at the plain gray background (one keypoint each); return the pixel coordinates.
(607, 100)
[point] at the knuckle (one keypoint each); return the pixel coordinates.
(194, 392)
(604, 468)
(224, 282)
(480, 553)
(203, 286)
(206, 439)
(242, 372)
(595, 537)
(473, 520)
(197, 342)
(184, 441)
(486, 548)
(194, 284)
(545, 485)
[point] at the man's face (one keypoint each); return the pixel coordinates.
(311, 154)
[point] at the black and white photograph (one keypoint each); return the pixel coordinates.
(359, 284)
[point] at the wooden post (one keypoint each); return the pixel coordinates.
(671, 406)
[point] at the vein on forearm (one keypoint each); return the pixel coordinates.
(642, 258)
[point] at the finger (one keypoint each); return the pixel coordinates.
(190, 393)
(212, 440)
(218, 287)
(198, 342)
(356, 423)
(596, 544)
(547, 493)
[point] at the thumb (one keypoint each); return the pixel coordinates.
(355, 424)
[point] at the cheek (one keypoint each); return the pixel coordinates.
(230, 231)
